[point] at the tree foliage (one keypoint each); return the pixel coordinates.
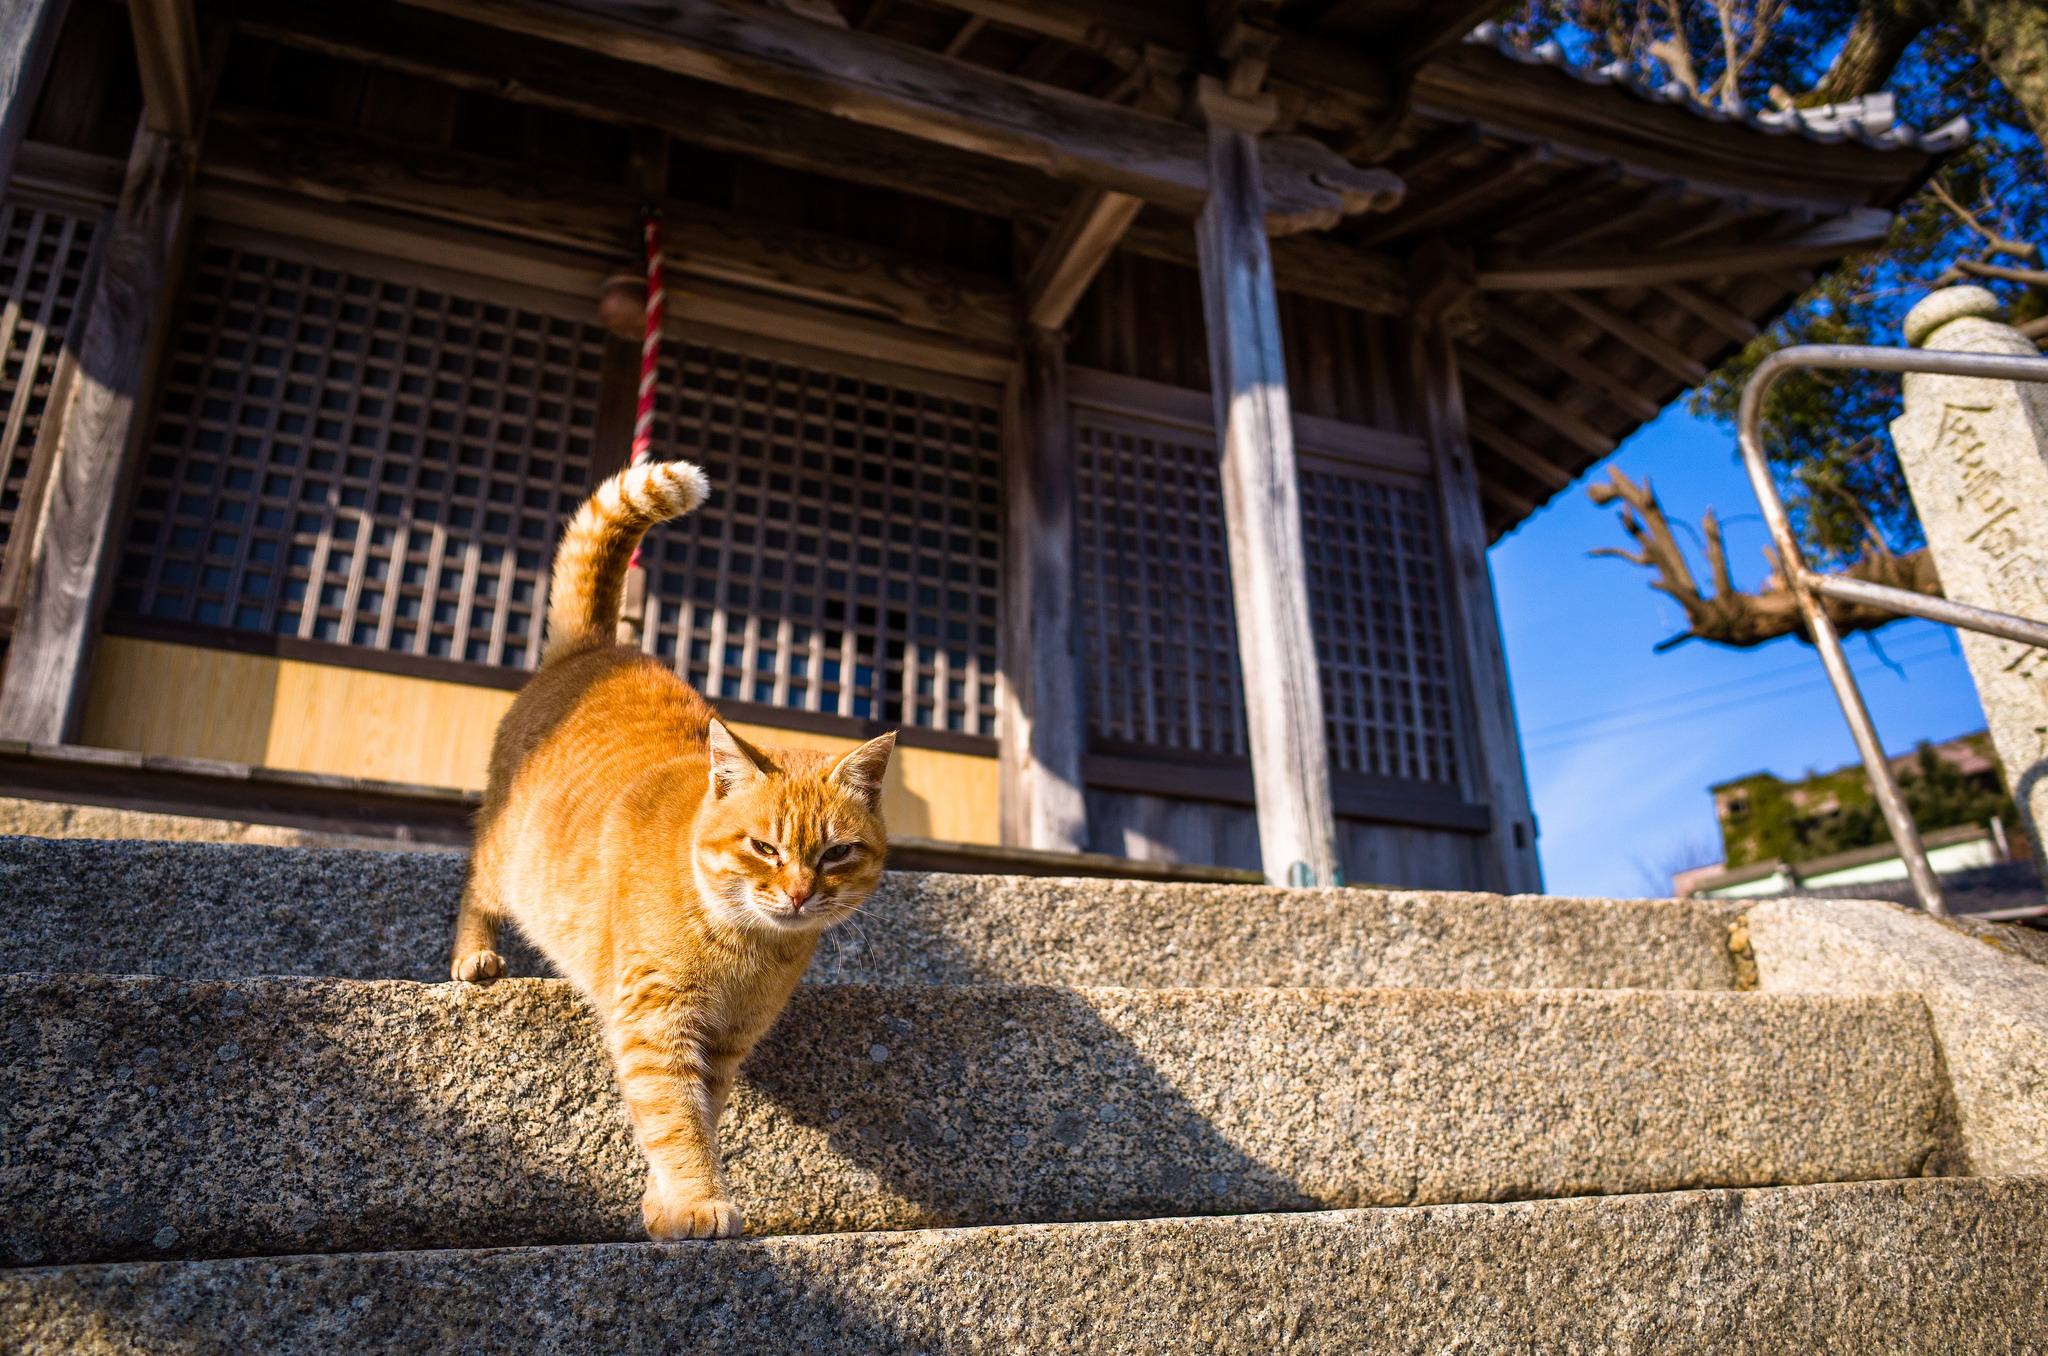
(1828, 433)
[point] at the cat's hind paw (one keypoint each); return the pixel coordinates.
(701, 1217)
(480, 968)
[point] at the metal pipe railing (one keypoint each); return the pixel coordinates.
(1810, 586)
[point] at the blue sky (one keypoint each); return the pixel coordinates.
(1621, 743)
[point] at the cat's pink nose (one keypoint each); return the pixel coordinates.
(797, 900)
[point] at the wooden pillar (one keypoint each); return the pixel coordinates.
(1494, 751)
(1262, 503)
(28, 38)
(49, 656)
(1044, 727)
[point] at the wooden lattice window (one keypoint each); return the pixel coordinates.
(1382, 640)
(347, 457)
(847, 561)
(1157, 622)
(1154, 586)
(43, 257)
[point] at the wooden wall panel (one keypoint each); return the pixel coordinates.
(1143, 318)
(184, 701)
(180, 701)
(1209, 833)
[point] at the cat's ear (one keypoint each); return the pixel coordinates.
(732, 762)
(860, 770)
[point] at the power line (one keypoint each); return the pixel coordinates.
(1746, 680)
(1672, 717)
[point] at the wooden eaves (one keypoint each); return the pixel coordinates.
(1623, 246)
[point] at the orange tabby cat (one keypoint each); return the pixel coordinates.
(676, 874)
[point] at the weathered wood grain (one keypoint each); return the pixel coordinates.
(937, 98)
(28, 38)
(1514, 450)
(1551, 348)
(48, 658)
(167, 57)
(1262, 509)
(1494, 749)
(1044, 726)
(1075, 253)
(1858, 229)
(433, 46)
(326, 162)
(1716, 313)
(1549, 411)
(1641, 338)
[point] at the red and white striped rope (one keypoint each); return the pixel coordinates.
(650, 345)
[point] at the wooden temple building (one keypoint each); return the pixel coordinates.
(1118, 396)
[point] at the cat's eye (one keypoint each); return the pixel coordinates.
(838, 852)
(767, 850)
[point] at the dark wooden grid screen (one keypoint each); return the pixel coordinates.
(348, 458)
(43, 258)
(1375, 596)
(847, 560)
(1156, 615)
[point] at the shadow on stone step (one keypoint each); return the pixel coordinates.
(154, 1118)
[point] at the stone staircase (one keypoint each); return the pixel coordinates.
(1024, 1115)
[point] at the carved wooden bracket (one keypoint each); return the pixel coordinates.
(1444, 290)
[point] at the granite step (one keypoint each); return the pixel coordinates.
(148, 1118)
(209, 911)
(1942, 1265)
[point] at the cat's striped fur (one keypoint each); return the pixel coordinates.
(678, 875)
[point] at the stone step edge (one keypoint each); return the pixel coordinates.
(282, 1116)
(1938, 1262)
(208, 911)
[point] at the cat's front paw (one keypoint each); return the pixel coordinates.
(683, 1216)
(481, 968)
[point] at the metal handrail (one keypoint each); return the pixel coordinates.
(1809, 586)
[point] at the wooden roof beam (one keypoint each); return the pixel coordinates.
(1514, 450)
(1079, 247)
(167, 57)
(1643, 340)
(1437, 26)
(1560, 199)
(1449, 204)
(1725, 212)
(273, 151)
(1717, 314)
(1858, 229)
(1550, 349)
(1445, 145)
(868, 80)
(1519, 505)
(1548, 411)
(1653, 199)
(398, 37)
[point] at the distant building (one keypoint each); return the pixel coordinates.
(1826, 829)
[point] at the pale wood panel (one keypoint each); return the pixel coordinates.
(188, 702)
(355, 723)
(180, 701)
(929, 793)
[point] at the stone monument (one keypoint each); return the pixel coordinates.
(1975, 455)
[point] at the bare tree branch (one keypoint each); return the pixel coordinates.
(1993, 241)
(1882, 32)
(1729, 616)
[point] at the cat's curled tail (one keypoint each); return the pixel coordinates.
(590, 566)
